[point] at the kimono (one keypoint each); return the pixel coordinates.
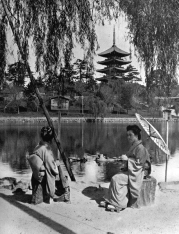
(125, 186)
(44, 172)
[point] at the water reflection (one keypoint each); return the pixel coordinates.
(77, 139)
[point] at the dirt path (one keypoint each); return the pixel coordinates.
(83, 216)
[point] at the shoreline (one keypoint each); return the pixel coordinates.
(23, 120)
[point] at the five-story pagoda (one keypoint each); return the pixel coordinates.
(114, 63)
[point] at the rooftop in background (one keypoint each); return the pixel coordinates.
(114, 50)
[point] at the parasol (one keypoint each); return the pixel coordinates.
(153, 134)
(156, 137)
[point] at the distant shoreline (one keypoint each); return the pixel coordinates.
(31, 120)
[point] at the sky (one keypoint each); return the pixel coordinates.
(105, 40)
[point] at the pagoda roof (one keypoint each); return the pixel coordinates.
(112, 69)
(114, 61)
(114, 50)
(108, 78)
(60, 97)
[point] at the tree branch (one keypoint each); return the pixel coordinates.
(65, 160)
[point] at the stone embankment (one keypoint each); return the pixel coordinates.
(33, 120)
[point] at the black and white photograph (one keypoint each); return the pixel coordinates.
(89, 116)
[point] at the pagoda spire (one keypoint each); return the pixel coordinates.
(114, 37)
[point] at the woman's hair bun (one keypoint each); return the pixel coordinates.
(47, 134)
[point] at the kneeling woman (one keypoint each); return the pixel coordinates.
(44, 168)
(125, 186)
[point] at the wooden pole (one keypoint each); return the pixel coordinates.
(59, 124)
(82, 105)
(82, 133)
(167, 116)
(65, 160)
(166, 167)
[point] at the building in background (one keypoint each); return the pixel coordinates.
(59, 103)
(114, 62)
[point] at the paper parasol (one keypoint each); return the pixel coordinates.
(153, 134)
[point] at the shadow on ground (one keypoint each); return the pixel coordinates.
(95, 193)
(24, 198)
(15, 201)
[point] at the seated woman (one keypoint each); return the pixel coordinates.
(44, 169)
(125, 186)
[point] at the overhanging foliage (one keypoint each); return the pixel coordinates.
(53, 27)
(154, 31)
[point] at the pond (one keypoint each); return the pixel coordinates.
(77, 139)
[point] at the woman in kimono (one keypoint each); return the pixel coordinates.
(45, 170)
(125, 186)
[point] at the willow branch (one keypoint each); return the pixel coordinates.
(23, 55)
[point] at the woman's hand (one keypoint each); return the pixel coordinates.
(123, 157)
(137, 161)
(57, 162)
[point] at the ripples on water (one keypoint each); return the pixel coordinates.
(77, 139)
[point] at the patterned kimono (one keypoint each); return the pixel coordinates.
(44, 173)
(125, 185)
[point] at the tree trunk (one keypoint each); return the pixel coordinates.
(24, 58)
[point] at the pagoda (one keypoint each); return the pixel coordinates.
(114, 63)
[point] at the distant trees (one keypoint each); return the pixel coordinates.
(126, 96)
(31, 98)
(80, 69)
(161, 83)
(15, 96)
(53, 28)
(15, 80)
(132, 74)
(117, 95)
(96, 105)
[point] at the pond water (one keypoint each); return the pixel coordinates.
(78, 139)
